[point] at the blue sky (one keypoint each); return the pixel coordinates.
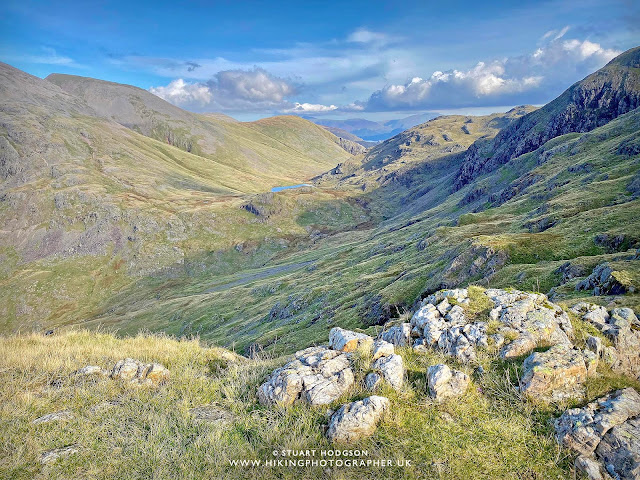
(337, 59)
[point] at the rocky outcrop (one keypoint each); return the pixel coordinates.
(348, 341)
(140, 373)
(357, 420)
(443, 383)
(595, 101)
(619, 450)
(604, 281)
(622, 327)
(607, 431)
(558, 374)
(525, 321)
(317, 375)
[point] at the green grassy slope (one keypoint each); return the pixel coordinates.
(582, 185)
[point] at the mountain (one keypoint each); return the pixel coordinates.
(339, 132)
(287, 149)
(260, 270)
(588, 104)
(372, 131)
(104, 183)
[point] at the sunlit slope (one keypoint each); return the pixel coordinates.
(282, 149)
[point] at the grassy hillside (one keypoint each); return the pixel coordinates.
(515, 232)
(90, 205)
(128, 432)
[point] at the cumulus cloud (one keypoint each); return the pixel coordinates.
(310, 108)
(184, 94)
(499, 82)
(230, 90)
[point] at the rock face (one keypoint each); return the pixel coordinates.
(348, 341)
(526, 318)
(445, 383)
(391, 368)
(372, 381)
(140, 373)
(557, 374)
(590, 103)
(606, 430)
(603, 281)
(621, 326)
(317, 375)
(619, 450)
(356, 420)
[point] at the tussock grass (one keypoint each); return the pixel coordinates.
(139, 433)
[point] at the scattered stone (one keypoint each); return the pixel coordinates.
(212, 414)
(556, 375)
(582, 429)
(527, 320)
(445, 383)
(357, 420)
(140, 373)
(398, 335)
(382, 349)
(348, 341)
(54, 417)
(52, 455)
(392, 369)
(372, 381)
(317, 375)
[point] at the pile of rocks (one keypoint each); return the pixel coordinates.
(130, 370)
(387, 366)
(317, 375)
(524, 321)
(321, 375)
(622, 327)
(606, 435)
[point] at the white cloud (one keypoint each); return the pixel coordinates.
(310, 108)
(557, 63)
(184, 94)
(230, 90)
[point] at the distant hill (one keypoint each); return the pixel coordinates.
(372, 131)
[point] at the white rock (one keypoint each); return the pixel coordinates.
(357, 420)
(347, 340)
(382, 349)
